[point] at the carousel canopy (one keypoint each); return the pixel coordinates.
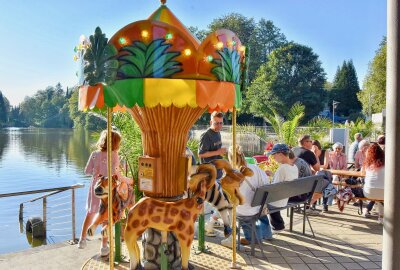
(159, 62)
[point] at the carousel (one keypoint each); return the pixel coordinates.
(156, 70)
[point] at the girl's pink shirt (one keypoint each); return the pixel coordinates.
(337, 162)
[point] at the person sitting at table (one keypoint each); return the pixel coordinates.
(360, 155)
(322, 154)
(336, 158)
(374, 167)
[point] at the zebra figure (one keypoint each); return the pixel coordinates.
(218, 198)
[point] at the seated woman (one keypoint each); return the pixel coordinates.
(360, 154)
(321, 154)
(337, 159)
(374, 167)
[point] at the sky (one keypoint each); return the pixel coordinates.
(37, 38)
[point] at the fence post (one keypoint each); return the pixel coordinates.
(73, 216)
(45, 216)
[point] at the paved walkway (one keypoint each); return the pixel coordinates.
(343, 241)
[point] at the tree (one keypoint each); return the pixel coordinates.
(373, 95)
(199, 34)
(292, 74)
(3, 110)
(345, 89)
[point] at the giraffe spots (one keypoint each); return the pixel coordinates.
(189, 204)
(194, 217)
(157, 204)
(190, 230)
(171, 228)
(168, 220)
(145, 222)
(180, 226)
(135, 223)
(138, 233)
(189, 242)
(156, 219)
(181, 236)
(142, 209)
(174, 212)
(151, 209)
(128, 228)
(185, 214)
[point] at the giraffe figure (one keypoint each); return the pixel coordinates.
(233, 178)
(178, 217)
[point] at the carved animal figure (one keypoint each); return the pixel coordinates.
(232, 179)
(178, 217)
(119, 204)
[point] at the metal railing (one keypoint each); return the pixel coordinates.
(52, 191)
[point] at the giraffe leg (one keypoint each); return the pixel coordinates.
(185, 250)
(133, 248)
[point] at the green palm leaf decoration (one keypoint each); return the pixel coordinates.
(100, 62)
(228, 66)
(148, 61)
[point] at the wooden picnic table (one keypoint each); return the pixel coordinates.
(347, 173)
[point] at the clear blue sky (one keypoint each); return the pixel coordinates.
(38, 37)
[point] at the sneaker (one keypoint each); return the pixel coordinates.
(209, 229)
(380, 220)
(325, 209)
(312, 212)
(366, 213)
(104, 251)
(82, 243)
(227, 242)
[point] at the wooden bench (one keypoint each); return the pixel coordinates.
(268, 194)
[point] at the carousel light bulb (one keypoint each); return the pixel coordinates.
(122, 41)
(220, 45)
(233, 43)
(168, 36)
(242, 48)
(145, 34)
(187, 52)
(75, 58)
(210, 58)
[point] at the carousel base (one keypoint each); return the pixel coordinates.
(217, 257)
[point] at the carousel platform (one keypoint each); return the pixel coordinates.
(217, 257)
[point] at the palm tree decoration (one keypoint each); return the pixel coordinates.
(228, 67)
(148, 61)
(100, 63)
(285, 129)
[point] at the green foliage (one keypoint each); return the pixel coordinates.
(47, 108)
(199, 34)
(148, 61)
(3, 110)
(345, 89)
(373, 95)
(100, 63)
(228, 67)
(285, 129)
(318, 128)
(366, 128)
(292, 74)
(193, 145)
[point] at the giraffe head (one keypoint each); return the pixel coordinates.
(233, 178)
(240, 158)
(101, 186)
(201, 181)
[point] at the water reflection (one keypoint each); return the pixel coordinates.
(4, 141)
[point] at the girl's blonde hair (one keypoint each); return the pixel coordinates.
(115, 141)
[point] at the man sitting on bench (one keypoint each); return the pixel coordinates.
(374, 166)
(285, 172)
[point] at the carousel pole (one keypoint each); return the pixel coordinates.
(234, 265)
(109, 175)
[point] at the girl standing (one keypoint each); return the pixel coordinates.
(97, 165)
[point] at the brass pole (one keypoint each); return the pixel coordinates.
(109, 175)
(234, 265)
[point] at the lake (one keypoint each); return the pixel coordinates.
(35, 159)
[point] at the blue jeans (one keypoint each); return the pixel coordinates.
(263, 229)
